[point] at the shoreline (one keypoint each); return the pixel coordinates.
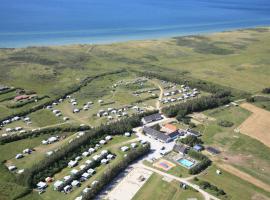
(122, 39)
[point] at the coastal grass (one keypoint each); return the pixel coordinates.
(158, 189)
(238, 59)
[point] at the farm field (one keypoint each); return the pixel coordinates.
(238, 150)
(234, 187)
(257, 125)
(157, 188)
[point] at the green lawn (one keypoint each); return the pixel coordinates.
(10, 150)
(43, 118)
(157, 189)
(234, 187)
(40, 151)
(9, 189)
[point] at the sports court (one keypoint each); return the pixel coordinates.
(164, 164)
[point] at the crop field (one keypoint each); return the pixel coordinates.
(257, 125)
(238, 150)
(157, 188)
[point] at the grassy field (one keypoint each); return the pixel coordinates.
(40, 152)
(10, 150)
(234, 187)
(238, 59)
(263, 104)
(239, 150)
(157, 189)
(9, 189)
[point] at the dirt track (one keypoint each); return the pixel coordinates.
(257, 125)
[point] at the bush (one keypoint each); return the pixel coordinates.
(191, 140)
(206, 185)
(266, 90)
(225, 123)
(202, 165)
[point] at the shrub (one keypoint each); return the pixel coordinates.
(191, 140)
(266, 90)
(225, 123)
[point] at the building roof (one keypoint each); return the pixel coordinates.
(151, 118)
(198, 147)
(170, 127)
(17, 98)
(212, 150)
(193, 132)
(173, 134)
(180, 148)
(156, 134)
(3, 87)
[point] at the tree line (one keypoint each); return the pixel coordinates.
(202, 165)
(44, 131)
(206, 185)
(180, 110)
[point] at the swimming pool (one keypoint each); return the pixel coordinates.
(185, 162)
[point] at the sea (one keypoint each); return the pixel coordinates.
(59, 22)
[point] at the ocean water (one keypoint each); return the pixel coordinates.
(56, 22)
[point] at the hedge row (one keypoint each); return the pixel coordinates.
(196, 105)
(202, 165)
(44, 131)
